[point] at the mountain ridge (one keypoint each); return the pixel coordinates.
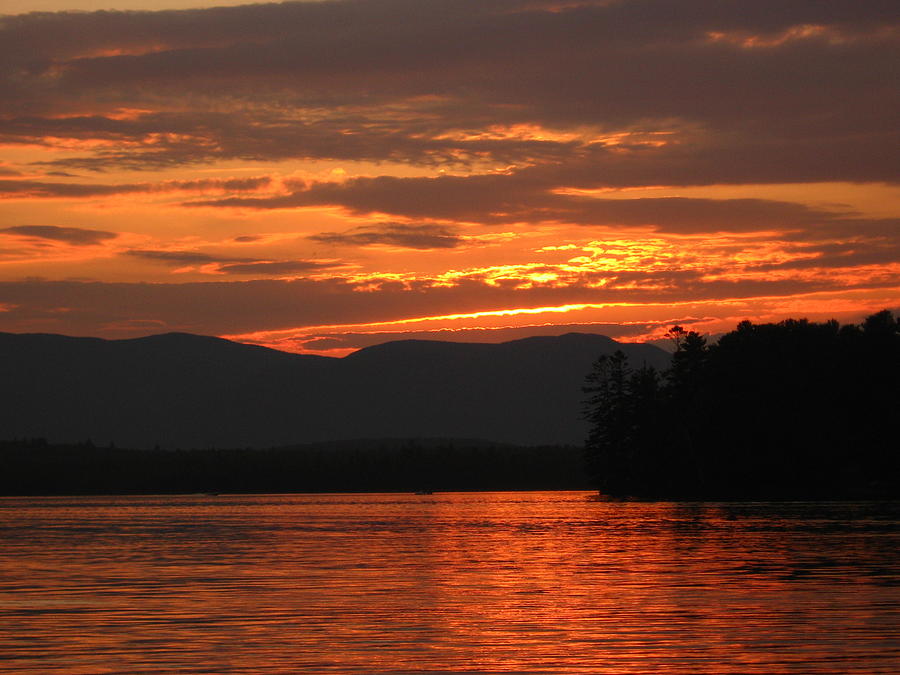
(187, 390)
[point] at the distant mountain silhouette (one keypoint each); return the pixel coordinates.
(181, 390)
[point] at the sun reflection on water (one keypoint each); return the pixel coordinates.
(478, 582)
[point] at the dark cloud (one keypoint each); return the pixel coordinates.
(231, 265)
(847, 256)
(774, 91)
(650, 20)
(40, 189)
(160, 140)
(850, 228)
(273, 268)
(446, 197)
(30, 189)
(75, 236)
(246, 238)
(529, 197)
(181, 257)
(422, 236)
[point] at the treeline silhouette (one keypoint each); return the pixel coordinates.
(34, 467)
(796, 409)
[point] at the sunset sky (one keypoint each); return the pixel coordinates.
(320, 176)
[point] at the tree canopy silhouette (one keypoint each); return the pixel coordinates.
(793, 409)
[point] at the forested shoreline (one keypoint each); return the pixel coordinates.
(793, 410)
(34, 467)
(796, 409)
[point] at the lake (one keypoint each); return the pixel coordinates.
(527, 582)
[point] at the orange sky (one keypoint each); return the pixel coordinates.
(323, 176)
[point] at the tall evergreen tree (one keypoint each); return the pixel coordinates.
(606, 412)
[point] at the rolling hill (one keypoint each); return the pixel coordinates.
(180, 390)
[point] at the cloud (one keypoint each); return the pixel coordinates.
(508, 113)
(70, 235)
(231, 265)
(532, 197)
(697, 91)
(274, 268)
(181, 257)
(400, 235)
(849, 256)
(161, 140)
(29, 189)
(267, 305)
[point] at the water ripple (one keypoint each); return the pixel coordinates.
(469, 582)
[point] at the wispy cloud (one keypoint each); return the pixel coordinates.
(181, 257)
(531, 196)
(223, 264)
(75, 236)
(400, 235)
(274, 267)
(31, 189)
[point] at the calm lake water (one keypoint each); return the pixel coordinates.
(466, 582)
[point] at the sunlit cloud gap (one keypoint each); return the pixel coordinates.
(426, 319)
(824, 304)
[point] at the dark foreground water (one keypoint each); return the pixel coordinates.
(479, 582)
